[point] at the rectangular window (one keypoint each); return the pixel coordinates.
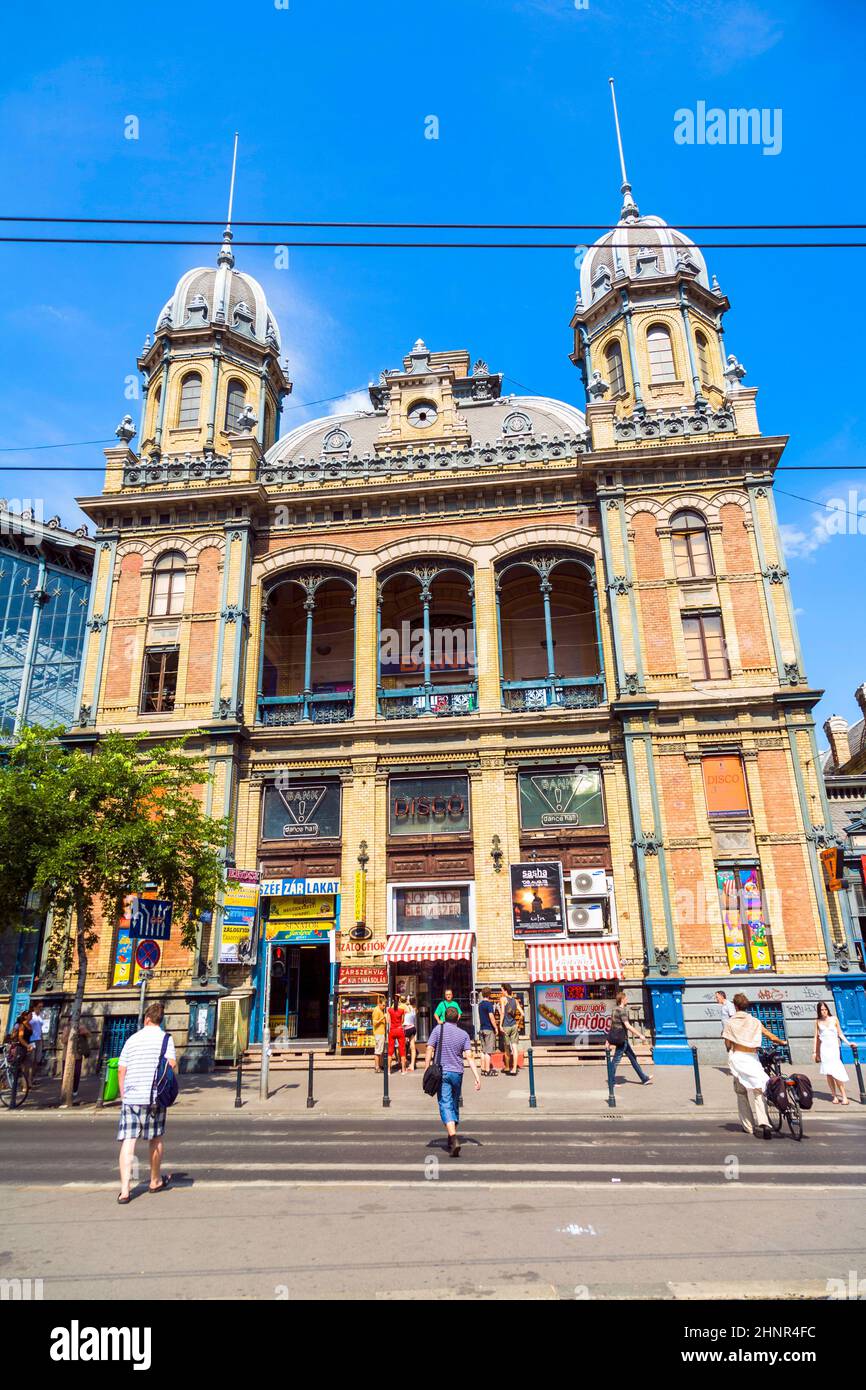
(428, 806)
(556, 800)
(705, 647)
(302, 811)
(692, 554)
(434, 908)
(159, 682)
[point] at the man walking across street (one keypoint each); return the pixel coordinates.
(742, 1034)
(140, 1117)
(455, 1053)
(511, 1018)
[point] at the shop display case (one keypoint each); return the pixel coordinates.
(356, 1022)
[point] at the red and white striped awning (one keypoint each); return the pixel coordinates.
(574, 960)
(429, 945)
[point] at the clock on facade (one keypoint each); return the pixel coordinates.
(422, 414)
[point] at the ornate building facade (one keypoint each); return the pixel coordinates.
(441, 647)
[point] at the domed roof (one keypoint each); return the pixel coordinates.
(507, 422)
(224, 296)
(638, 247)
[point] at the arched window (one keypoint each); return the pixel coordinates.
(692, 554)
(308, 655)
(169, 586)
(550, 652)
(190, 402)
(614, 368)
(661, 354)
(236, 399)
(703, 357)
(426, 639)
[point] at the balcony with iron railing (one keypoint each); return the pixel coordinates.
(414, 702)
(281, 711)
(580, 692)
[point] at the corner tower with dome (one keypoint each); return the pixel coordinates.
(493, 688)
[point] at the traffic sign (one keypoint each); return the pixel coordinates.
(150, 917)
(147, 954)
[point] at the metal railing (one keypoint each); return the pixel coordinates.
(279, 711)
(416, 702)
(563, 692)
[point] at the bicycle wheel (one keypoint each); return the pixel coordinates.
(21, 1092)
(774, 1114)
(794, 1117)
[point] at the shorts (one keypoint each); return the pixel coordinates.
(488, 1041)
(141, 1122)
(410, 1033)
(511, 1036)
(379, 1044)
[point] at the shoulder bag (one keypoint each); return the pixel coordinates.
(432, 1078)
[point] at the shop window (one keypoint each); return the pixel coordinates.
(190, 402)
(433, 908)
(168, 586)
(661, 354)
(614, 368)
(693, 557)
(744, 918)
(705, 647)
(159, 682)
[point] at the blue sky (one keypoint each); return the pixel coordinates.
(330, 98)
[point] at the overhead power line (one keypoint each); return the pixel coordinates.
(427, 245)
(444, 226)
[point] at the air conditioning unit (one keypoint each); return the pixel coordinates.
(585, 919)
(589, 883)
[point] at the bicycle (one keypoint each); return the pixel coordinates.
(10, 1084)
(771, 1061)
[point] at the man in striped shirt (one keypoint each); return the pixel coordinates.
(140, 1118)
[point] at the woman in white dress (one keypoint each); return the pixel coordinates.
(828, 1037)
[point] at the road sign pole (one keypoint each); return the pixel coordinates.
(142, 995)
(266, 1026)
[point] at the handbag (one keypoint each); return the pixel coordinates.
(432, 1078)
(165, 1087)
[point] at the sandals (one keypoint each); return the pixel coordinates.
(123, 1201)
(164, 1183)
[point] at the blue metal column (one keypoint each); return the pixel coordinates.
(426, 597)
(309, 609)
(40, 598)
(548, 630)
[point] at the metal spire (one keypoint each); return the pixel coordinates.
(629, 212)
(226, 255)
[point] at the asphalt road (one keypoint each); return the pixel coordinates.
(375, 1209)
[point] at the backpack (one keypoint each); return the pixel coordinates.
(777, 1092)
(804, 1090)
(165, 1087)
(432, 1078)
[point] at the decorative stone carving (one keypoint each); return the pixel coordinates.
(646, 262)
(517, 422)
(663, 960)
(197, 311)
(632, 683)
(598, 387)
(243, 318)
(126, 430)
(775, 572)
(792, 673)
(336, 441)
(733, 374)
(620, 584)
(246, 421)
(160, 471)
(671, 424)
(649, 844)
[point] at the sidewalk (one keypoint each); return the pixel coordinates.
(562, 1092)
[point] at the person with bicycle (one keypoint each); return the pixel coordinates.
(743, 1034)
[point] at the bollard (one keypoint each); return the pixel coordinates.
(310, 1101)
(386, 1099)
(239, 1082)
(856, 1052)
(103, 1072)
(611, 1098)
(533, 1101)
(699, 1100)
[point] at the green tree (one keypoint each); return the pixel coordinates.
(86, 827)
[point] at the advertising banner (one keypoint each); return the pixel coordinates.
(351, 976)
(125, 972)
(725, 785)
(297, 933)
(743, 919)
(239, 943)
(564, 1011)
(549, 800)
(299, 887)
(302, 909)
(537, 900)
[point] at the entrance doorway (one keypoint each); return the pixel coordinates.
(427, 982)
(300, 981)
